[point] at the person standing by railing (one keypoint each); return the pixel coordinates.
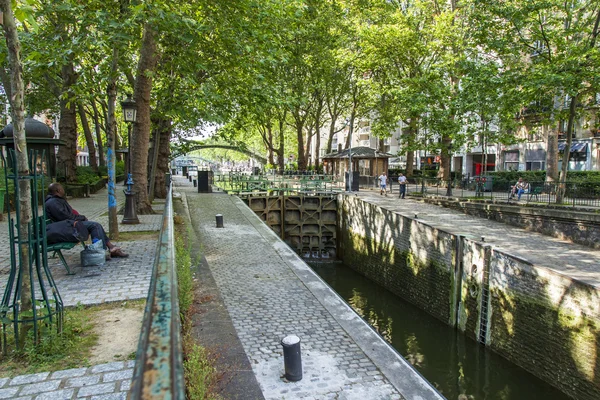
(402, 183)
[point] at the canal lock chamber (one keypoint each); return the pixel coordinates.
(489, 300)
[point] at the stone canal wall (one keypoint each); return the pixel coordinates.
(412, 260)
(539, 319)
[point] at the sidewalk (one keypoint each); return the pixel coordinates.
(573, 260)
(269, 292)
(119, 279)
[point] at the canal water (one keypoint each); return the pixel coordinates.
(457, 366)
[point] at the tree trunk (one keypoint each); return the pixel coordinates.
(270, 144)
(560, 192)
(17, 91)
(157, 133)
(300, 137)
(551, 136)
(445, 159)
(162, 166)
(281, 152)
(89, 139)
(411, 134)
(330, 135)
(142, 127)
(67, 126)
(98, 130)
(111, 135)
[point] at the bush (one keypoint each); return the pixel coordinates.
(86, 175)
(119, 169)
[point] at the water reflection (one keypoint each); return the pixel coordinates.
(459, 367)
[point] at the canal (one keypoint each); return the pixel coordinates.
(457, 366)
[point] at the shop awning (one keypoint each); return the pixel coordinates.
(575, 147)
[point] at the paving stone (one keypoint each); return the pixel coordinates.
(125, 385)
(64, 394)
(40, 387)
(112, 396)
(113, 366)
(105, 388)
(117, 376)
(8, 393)
(23, 379)
(68, 373)
(82, 381)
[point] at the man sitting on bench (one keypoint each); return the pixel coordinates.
(58, 209)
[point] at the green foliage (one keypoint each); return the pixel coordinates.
(119, 168)
(86, 175)
(199, 373)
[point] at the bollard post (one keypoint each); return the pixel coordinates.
(189, 178)
(292, 358)
(195, 183)
(219, 218)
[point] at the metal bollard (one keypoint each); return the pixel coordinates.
(189, 178)
(195, 183)
(219, 218)
(292, 358)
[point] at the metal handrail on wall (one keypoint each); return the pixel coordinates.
(158, 372)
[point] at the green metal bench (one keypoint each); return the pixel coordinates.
(536, 191)
(57, 248)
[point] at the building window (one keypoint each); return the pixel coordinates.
(511, 161)
(364, 166)
(535, 165)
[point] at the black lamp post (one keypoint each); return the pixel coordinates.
(450, 154)
(129, 115)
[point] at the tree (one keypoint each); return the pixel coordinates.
(17, 90)
(555, 44)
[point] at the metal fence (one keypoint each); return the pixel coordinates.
(576, 194)
(158, 372)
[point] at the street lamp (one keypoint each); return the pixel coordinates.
(450, 148)
(350, 172)
(129, 115)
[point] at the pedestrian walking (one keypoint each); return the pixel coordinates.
(402, 182)
(383, 184)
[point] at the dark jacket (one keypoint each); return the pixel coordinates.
(57, 209)
(66, 231)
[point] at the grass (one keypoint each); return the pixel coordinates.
(70, 349)
(200, 375)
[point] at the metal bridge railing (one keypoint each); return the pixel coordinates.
(158, 372)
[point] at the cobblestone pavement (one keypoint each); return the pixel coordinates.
(101, 382)
(119, 279)
(270, 293)
(576, 261)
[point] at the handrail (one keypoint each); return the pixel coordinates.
(158, 372)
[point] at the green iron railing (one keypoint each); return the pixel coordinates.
(158, 372)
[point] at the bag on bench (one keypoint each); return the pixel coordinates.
(66, 231)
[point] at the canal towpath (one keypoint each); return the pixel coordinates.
(269, 292)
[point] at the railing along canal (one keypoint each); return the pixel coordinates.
(158, 372)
